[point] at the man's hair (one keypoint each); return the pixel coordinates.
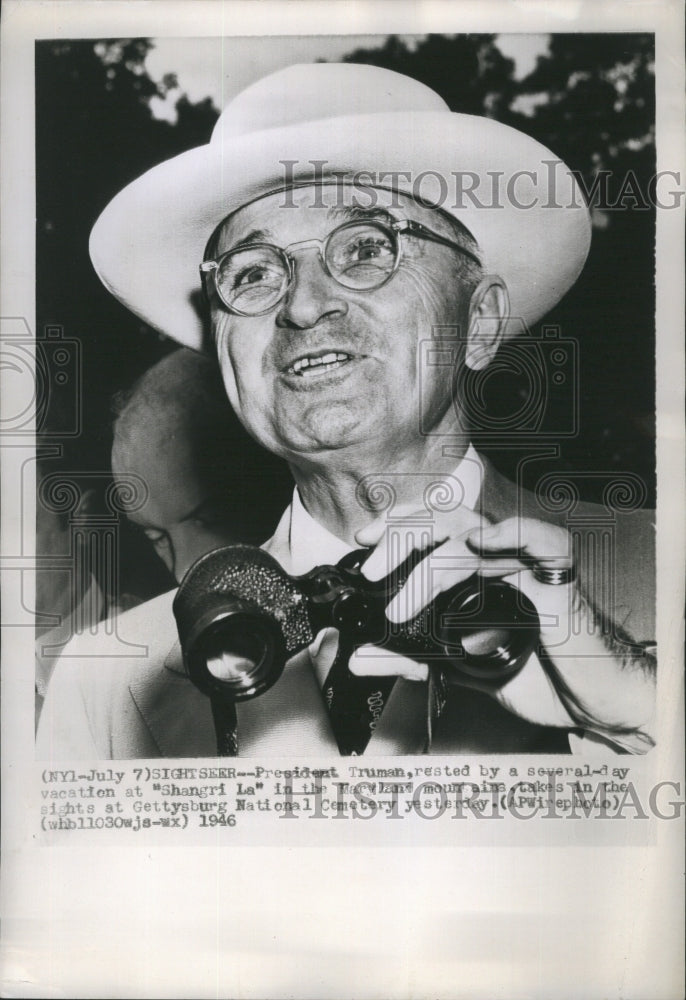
(468, 270)
(184, 383)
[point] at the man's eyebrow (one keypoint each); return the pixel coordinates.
(254, 236)
(342, 213)
(351, 213)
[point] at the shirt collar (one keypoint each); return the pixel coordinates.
(311, 544)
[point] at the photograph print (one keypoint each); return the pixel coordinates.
(348, 435)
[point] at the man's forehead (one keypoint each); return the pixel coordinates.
(276, 213)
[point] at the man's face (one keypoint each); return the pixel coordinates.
(371, 392)
(183, 516)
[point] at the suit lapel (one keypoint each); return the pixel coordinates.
(177, 715)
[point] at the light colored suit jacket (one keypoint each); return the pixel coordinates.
(105, 705)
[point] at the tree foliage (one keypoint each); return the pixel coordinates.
(590, 99)
(469, 71)
(598, 101)
(95, 133)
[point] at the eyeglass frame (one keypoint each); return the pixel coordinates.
(403, 227)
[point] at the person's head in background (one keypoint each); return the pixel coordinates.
(208, 483)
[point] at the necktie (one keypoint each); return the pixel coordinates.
(354, 703)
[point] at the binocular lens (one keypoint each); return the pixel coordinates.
(237, 656)
(231, 655)
(493, 626)
(485, 642)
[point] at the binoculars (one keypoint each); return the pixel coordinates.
(240, 617)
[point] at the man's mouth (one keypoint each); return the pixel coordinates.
(318, 364)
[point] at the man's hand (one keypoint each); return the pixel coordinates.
(588, 676)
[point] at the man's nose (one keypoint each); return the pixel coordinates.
(184, 549)
(189, 541)
(313, 295)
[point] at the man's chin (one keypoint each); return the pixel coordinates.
(328, 430)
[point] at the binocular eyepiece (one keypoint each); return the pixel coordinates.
(240, 617)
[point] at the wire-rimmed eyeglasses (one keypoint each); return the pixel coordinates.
(363, 255)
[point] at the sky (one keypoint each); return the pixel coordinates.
(221, 67)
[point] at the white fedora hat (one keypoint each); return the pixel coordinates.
(521, 203)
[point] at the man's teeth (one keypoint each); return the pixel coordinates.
(311, 366)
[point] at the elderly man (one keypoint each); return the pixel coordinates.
(330, 220)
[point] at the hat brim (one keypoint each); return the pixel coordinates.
(522, 204)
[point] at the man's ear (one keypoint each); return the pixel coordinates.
(489, 310)
(198, 300)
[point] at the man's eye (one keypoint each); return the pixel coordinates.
(255, 275)
(371, 250)
(368, 248)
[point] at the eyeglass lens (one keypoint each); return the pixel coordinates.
(358, 255)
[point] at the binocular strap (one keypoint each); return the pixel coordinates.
(354, 703)
(225, 726)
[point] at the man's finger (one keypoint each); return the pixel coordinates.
(501, 567)
(537, 539)
(401, 538)
(372, 532)
(445, 567)
(370, 661)
(396, 544)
